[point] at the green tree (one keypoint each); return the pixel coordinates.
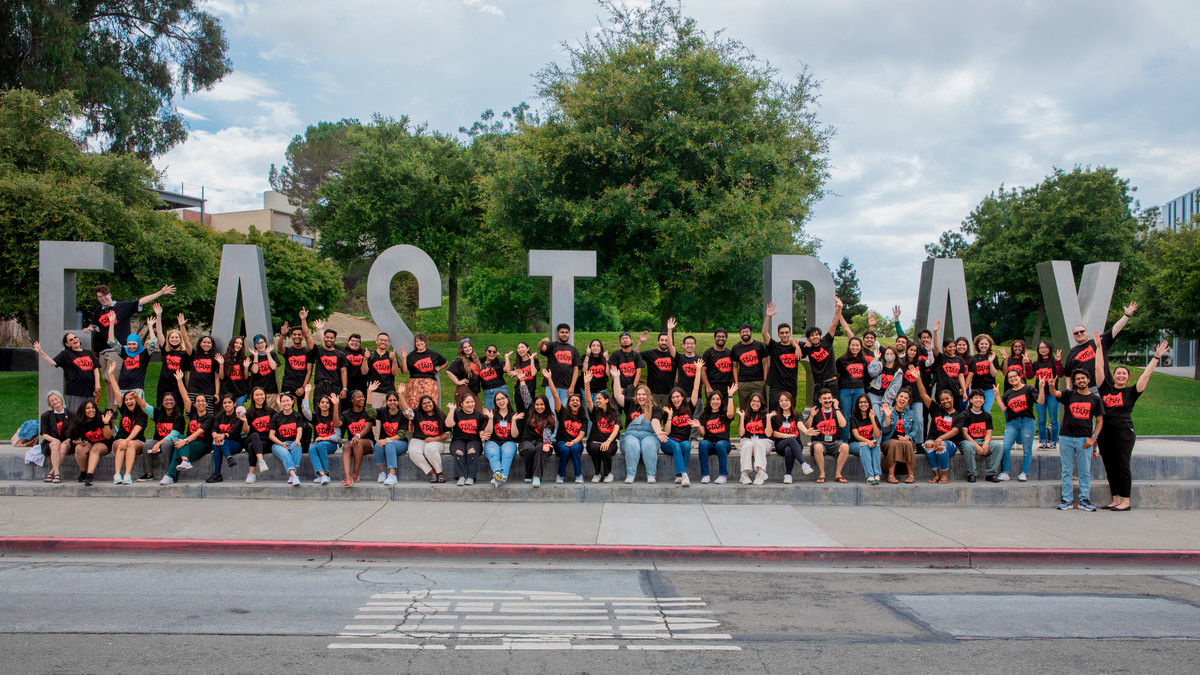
(311, 160)
(846, 285)
(1084, 215)
(676, 155)
(1169, 296)
(125, 60)
(402, 186)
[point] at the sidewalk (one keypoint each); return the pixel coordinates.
(624, 531)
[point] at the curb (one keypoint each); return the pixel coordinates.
(934, 557)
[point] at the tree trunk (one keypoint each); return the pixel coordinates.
(1037, 327)
(1196, 361)
(33, 327)
(452, 302)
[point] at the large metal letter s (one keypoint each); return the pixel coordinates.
(397, 259)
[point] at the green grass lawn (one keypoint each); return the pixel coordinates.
(1168, 407)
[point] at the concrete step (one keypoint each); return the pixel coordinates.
(1034, 494)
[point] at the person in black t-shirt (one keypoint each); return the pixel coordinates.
(297, 356)
(716, 420)
(491, 376)
(1076, 437)
(595, 361)
(91, 432)
(262, 365)
(818, 351)
(1018, 404)
(628, 363)
(660, 363)
(602, 437)
(784, 357)
(950, 373)
(134, 359)
(382, 365)
(524, 372)
(563, 361)
(356, 358)
(329, 363)
(718, 365)
(424, 366)
(750, 365)
(53, 426)
(1083, 355)
(115, 314)
(983, 367)
(687, 364)
(79, 371)
(1115, 440)
(234, 370)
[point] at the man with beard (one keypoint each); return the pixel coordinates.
(784, 355)
(749, 356)
(660, 363)
(564, 362)
(629, 362)
(1082, 356)
(329, 363)
(296, 356)
(718, 365)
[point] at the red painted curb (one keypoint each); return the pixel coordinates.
(959, 557)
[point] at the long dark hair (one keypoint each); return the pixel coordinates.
(857, 411)
(437, 411)
(232, 357)
(859, 358)
(136, 414)
(541, 421)
(686, 406)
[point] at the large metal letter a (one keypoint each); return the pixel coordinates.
(241, 292)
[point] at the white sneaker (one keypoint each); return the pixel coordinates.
(787, 478)
(651, 479)
(579, 480)
(294, 481)
(721, 480)
(251, 478)
(325, 479)
(317, 480)
(127, 480)
(558, 479)
(262, 465)
(382, 477)
(470, 481)
(1003, 476)
(761, 477)
(678, 480)
(685, 482)
(167, 480)
(390, 480)
(461, 481)
(704, 480)
(1022, 478)
(596, 478)
(184, 465)
(116, 479)
(497, 477)
(745, 478)
(608, 478)
(629, 480)
(537, 481)
(805, 468)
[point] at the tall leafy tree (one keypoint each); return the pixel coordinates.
(311, 160)
(124, 59)
(846, 283)
(402, 186)
(1170, 293)
(675, 154)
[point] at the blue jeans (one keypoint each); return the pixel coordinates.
(846, 398)
(917, 435)
(489, 396)
(227, 448)
(1072, 453)
(721, 448)
(500, 455)
(641, 445)
(681, 451)
(939, 456)
(240, 401)
(575, 453)
(388, 451)
(289, 455)
(318, 454)
(870, 458)
(562, 395)
(1021, 427)
(989, 397)
(1047, 420)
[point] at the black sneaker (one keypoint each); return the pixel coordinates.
(82, 477)
(88, 479)
(149, 475)
(993, 479)
(215, 478)
(231, 462)
(970, 479)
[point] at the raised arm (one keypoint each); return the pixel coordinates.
(837, 317)
(671, 324)
(1120, 324)
(37, 347)
(553, 389)
(165, 290)
(308, 338)
(766, 327)
(1158, 354)
(183, 395)
(1099, 362)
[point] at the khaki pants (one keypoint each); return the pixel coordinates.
(426, 455)
(746, 389)
(754, 451)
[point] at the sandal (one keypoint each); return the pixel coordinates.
(50, 479)
(432, 477)
(910, 479)
(821, 479)
(840, 479)
(441, 477)
(57, 479)
(892, 479)
(943, 480)
(347, 482)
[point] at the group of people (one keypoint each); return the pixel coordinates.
(878, 402)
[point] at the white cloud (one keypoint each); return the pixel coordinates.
(230, 163)
(237, 87)
(190, 114)
(484, 8)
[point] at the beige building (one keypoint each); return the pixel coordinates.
(274, 216)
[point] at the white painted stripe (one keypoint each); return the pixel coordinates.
(703, 636)
(382, 645)
(543, 610)
(648, 600)
(411, 617)
(531, 617)
(551, 604)
(524, 629)
(535, 646)
(681, 648)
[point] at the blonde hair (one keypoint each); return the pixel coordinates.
(649, 407)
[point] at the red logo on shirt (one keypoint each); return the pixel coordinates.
(488, 373)
(261, 424)
(755, 427)
(355, 360)
(264, 367)
(502, 429)
(127, 424)
(715, 425)
(329, 362)
(430, 427)
(297, 362)
(287, 431)
(563, 357)
(224, 428)
(105, 319)
(573, 427)
(235, 372)
(749, 358)
(1044, 372)
(324, 429)
(598, 370)
(663, 364)
(724, 364)
(819, 355)
(1116, 400)
(951, 368)
(627, 369)
(866, 432)
(132, 363)
(977, 429)
(690, 369)
(605, 425)
(83, 362)
(943, 424)
(193, 426)
(678, 421)
(1081, 411)
(358, 426)
(900, 426)
(1088, 354)
(383, 366)
(909, 377)
(202, 365)
(1018, 404)
(885, 379)
(424, 365)
(391, 428)
(827, 426)
(173, 362)
(788, 428)
(983, 367)
(161, 429)
(94, 435)
(854, 370)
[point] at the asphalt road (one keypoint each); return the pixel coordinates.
(180, 614)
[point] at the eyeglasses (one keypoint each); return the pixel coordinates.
(492, 351)
(464, 341)
(1080, 332)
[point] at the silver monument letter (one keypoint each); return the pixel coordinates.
(562, 267)
(779, 273)
(943, 297)
(241, 292)
(1068, 309)
(397, 259)
(58, 261)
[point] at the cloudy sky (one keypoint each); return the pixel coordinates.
(935, 104)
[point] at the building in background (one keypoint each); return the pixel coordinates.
(1182, 209)
(275, 216)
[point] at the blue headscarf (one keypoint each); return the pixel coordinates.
(133, 338)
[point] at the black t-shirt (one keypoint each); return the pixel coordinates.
(633, 412)
(885, 380)
(288, 427)
(358, 423)
(379, 369)
(230, 425)
(570, 424)
(749, 359)
(91, 430)
(172, 362)
(260, 420)
(1019, 403)
(947, 370)
(598, 367)
(715, 425)
(323, 425)
(531, 429)
(681, 425)
(491, 374)
(784, 365)
(128, 421)
(660, 370)
(327, 365)
(974, 425)
(165, 423)
(562, 360)
(392, 425)
(504, 429)
(1118, 405)
(1049, 368)
(603, 424)
(852, 373)
(202, 378)
(263, 375)
(864, 427)
(526, 369)
(1078, 411)
(124, 309)
(1005, 365)
(427, 425)
(942, 423)
(465, 370)
(820, 358)
(132, 374)
(756, 424)
(628, 363)
(356, 380)
(826, 425)
(467, 425)
(202, 423)
(295, 367)
(55, 425)
(78, 368)
(237, 380)
(687, 369)
(980, 368)
(718, 367)
(424, 365)
(1083, 357)
(788, 425)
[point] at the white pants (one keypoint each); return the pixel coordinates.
(755, 449)
(426, 455)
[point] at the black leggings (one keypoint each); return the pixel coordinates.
(253, 443)
(1116, 450)
(533, 455)
(602, 460)
(791, 450)
(466, 457)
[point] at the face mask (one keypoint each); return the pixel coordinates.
(889, 358)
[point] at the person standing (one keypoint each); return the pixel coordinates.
(1115, 441)
(628, 363)
(491, 376)
(329, 363)
(424, 365)
(524, 373)
(134, 360)
(687, 364)
(262, 365)
(176, 353)
(718, 365)
(234, 370)
(297, 356)
(852, 378)
(1018, 404)
(463, 371)
(116, 314)
(80, 373)
(595, 361)
(1048, 366)
(1078, 435)
(784, 357)
(983, 367)
(1083, 355)
(382, 365)
(749, 356)
(563, 361)
(660, 363)
(356, 358)
(1018, 361)
(818, 349)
